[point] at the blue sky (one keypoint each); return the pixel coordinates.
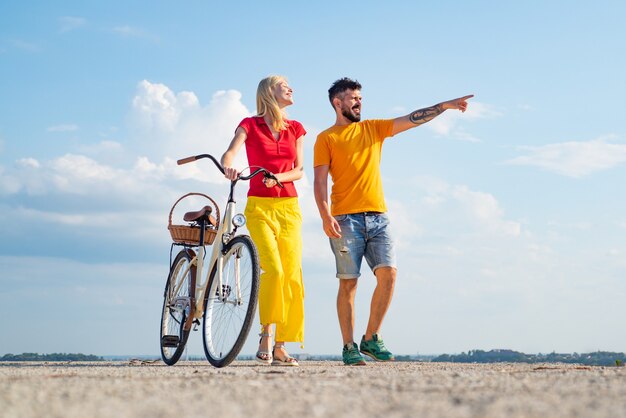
(510, 219)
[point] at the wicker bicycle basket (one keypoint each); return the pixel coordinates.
(190, 235)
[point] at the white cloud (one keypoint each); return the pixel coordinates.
(118, 188)
(398, 110)
(60, 218)
(580, 226)
(80, 169)
(69, 23)
(73, 174)
(431, 185)
(25, 45)
(447, 123)
(156, 107)
(460, 206)
(133, 32)
(574, 159)
(9, 182)
(485, 208)
(464, 136)
(102, 147)
(477, 110)
(126, 30)
(176, 125)
(28, 162)
(167, 126)
(63, 128)
(406, 227)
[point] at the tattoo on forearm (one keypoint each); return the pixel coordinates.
(424, 115)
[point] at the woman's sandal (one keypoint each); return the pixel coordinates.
(264, 357)
(287, 361)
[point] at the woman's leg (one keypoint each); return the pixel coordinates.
(265, 344)
(290, 249)
(262, 227)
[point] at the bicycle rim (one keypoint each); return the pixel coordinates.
(228, 317)
(177, 306)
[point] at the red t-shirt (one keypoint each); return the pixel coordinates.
(277, 156)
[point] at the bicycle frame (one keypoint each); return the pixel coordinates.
(226, 232)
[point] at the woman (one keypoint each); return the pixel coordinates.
(274, 218)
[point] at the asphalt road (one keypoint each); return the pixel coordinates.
(315, 389)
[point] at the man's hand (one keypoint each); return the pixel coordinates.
(456, 104)
(331, 227)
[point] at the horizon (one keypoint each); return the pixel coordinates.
(335, 355)
(510, 218)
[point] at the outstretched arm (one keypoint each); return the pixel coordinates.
(421, 116)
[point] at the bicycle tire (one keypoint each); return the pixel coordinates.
(226, 324)
(178, 306)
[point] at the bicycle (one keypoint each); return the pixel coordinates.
(226, 300)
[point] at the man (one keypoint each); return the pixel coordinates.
(356, 221)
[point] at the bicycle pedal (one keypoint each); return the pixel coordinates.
(226, 289)
(170, 341)
(196, 324)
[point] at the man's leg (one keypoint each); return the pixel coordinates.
(345, 311)
(345, 308)
(371, 343)
(381, 299)
(348, 251)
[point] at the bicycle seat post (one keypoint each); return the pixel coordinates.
(202, 222)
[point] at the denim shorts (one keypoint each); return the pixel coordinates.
(364, 234)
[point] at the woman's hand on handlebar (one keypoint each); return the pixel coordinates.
(269, 182)
(231, 173)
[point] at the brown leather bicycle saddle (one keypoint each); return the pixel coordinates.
(197, 215)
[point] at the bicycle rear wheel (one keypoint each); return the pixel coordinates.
(227, 320)
(178, 305)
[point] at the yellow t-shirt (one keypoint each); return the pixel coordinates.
(353, 154)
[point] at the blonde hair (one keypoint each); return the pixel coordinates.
(266, 103)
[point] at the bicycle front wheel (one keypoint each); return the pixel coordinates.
(178, 305)
(228, 313)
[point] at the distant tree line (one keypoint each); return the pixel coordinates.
(50, 357)
(598, 358)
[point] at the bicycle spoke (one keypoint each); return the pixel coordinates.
(227, 322)
(176, 308)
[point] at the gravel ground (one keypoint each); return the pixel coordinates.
(315, 389)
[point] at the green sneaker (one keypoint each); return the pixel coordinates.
(351, 355)
(375, 348)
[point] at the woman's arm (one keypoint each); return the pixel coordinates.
(233, 149)
(296, 172)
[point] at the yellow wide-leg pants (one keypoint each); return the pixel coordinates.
(275, 225)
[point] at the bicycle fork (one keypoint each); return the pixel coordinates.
(223, 291)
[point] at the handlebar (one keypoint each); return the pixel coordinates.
(266, 173)
(199, 157)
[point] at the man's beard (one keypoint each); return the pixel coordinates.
(347, 113)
